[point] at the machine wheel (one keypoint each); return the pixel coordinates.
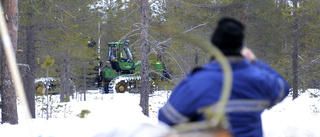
(121, 87)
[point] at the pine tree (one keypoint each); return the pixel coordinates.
(8, 94)
(144, 97)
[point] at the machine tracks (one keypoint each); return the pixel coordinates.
(129, 84)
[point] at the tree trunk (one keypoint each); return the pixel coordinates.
(85, 84)
(196, 58)
(62, 81)
(144, 97)
(47, 92)
(29, 78)
(8, 95)
(68, 67)
(65, 78)
(295, 61)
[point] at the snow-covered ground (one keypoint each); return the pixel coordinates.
(294, 118)
(120, 115)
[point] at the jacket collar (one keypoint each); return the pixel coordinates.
(235, 62)
(230, 58)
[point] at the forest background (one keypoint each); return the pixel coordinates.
(283, 33)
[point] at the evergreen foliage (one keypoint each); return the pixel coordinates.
(63, 30)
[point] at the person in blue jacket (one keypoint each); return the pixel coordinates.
(256, 86)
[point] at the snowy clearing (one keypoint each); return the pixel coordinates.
(119, 115)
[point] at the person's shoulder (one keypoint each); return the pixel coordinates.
(196, 69)
(205, 72)
(210, 67)
(260, 63)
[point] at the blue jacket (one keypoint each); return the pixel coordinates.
(256, 86)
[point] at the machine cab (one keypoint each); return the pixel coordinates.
(120, 56)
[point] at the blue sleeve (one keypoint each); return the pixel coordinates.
(188, 97)
(278, 86)
(169, 113)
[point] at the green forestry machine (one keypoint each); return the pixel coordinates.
(122, 73)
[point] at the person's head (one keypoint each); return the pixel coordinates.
(228, 36)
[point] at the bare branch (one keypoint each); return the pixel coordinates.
(176, 60)
(62, 9)
(25, 65)
(128, 34)
(153, 2)
(160, 43)
(134, 11)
